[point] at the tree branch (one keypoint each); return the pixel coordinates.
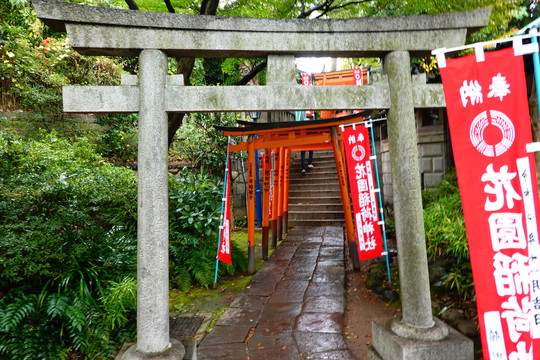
(209, 7)
(132, 5)
(343, 5)
(306, 14)
(252, 73)
(170, 8)
(326, 7)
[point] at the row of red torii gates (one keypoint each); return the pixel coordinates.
(280, 139)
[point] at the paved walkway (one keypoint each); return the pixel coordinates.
(293, 307)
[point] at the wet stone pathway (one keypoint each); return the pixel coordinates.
(293, 307)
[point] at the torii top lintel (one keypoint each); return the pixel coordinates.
(103, 31)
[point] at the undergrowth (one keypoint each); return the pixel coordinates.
(68, 247)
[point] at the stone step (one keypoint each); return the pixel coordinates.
(312, 175)
(312, 207)
(314, 197)
(314, 185)
(319, 214)
(315, 193)
(314, 200)
(316, 161)
(316, 222)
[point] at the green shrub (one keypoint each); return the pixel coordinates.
(68, 247)
(202, 145)
(195, 209)
(446, 236)
(34, 66)
(67, 237)
(119, 139)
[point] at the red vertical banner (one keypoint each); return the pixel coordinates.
(358, 76)
(489, 122)
(224, 252)
(306, 79)
(363, 192)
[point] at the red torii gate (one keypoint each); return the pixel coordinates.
(280, 139)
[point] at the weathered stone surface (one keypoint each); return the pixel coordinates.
(265, 347)
(281, 346)
(335, 274)
(389, 346)
(468, 328)
(281, 69)
(319, 322)
(229, 98)
(325, 289)
(332, 251)
(225, 334)
(410, 235)
(55, 12)
(260, 288)
(239, 37)
(283, 253)
(240, 317)
(278, 318)
(331, 355)
(310, 343)
(229, 351)
(289, 291)
(174, 351)
(324, 304)
(255, 302)
(153, 213)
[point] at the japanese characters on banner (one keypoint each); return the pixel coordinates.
(224, 251)
(306, 79)
(358, 76)
(489, 125)
(363, 191)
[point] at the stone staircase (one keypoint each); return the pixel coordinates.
(314, 197)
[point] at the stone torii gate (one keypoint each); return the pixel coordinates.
(155, 36)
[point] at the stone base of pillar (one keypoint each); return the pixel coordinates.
(251, 260)
(386, 345)
(175, 352)
(353, 254)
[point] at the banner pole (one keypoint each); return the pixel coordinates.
(381, 212)
(222, 209)
(536, 63)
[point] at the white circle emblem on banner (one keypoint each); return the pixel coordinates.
(358, 152)
(501, 122)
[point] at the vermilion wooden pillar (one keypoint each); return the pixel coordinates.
(280, 194)
(251, 205)
(267, 175)
(344, 190)
(275, 197)
(286, 190)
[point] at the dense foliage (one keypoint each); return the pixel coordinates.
(68, 247)
(34, 64)
(446, 237)
(67, 243)
(195, 202)
(201, 144)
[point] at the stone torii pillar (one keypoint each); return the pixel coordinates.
(153, 215)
